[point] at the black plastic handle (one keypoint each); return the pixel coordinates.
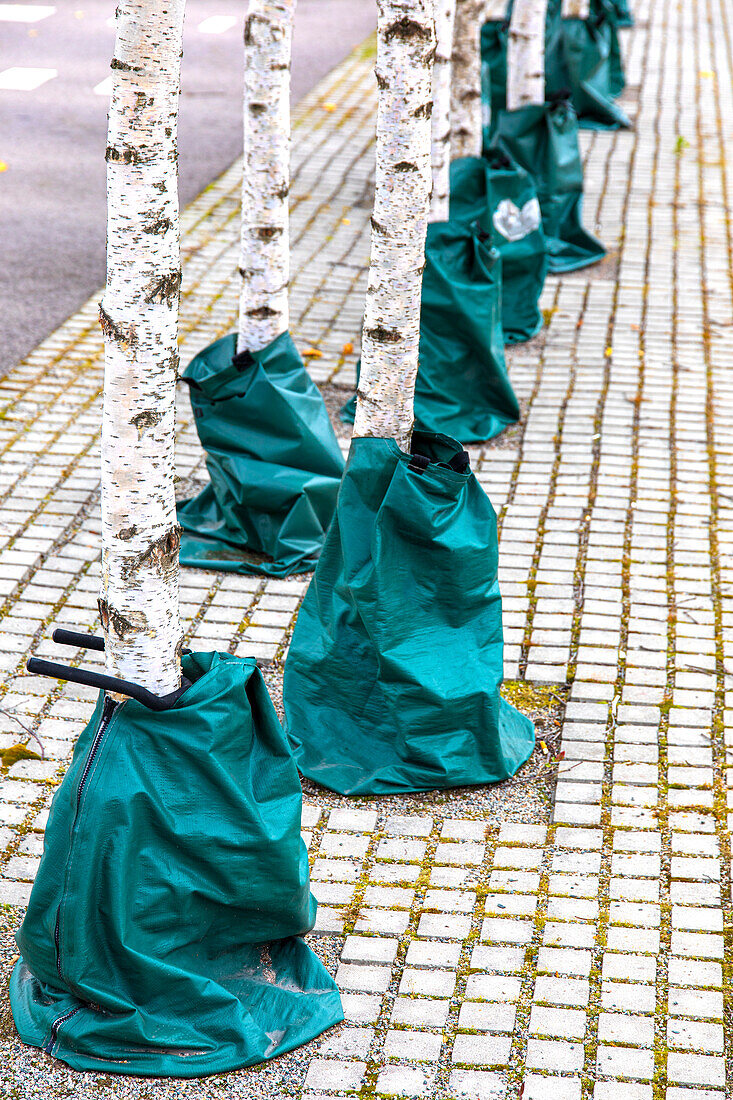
(83, 641)
(107, 683)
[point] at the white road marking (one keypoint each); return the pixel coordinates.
(24, 13)
(104, 87)
(24, 78)
(217, 24)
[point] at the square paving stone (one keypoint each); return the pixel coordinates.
(426, 983)
(561, 991)
(551, 1088)
(360, 1008)
(482, 1050)
(482, 1016)
(557, 1023)
(616, 1027)
(695, 1069)
(620, 1061)
(554, 1055)
(403, 1081)
(412, 1046)
(477, 1085)
(430, 953)
(334, 1074)
(420, 1012)
(621, 1090)
(694, 1035)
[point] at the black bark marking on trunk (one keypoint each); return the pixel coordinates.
(382, 81)
(145, 420)
(164, 289)
(112, 620)
(125, 155)
(257, 108)
(381, 335)
(127, 533)
(160, 556)
(261, 313)
(405, 166)
(116, 332)
(125, 66)
(378, 227)
(248, 27)
(282, 191)
(407, 30)
(158, 225)
(365, 399)
(268, 232)
(425, 110)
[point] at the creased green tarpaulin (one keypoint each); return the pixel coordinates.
(500, 196)
(393, 674)
(162, 932)
(622, 13)
(462, 386)
(582, 56)
(544, 141)
(273, 460)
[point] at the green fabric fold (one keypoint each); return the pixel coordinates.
(544, 141)
(392, 681)
(499, 196)
(162, 936)
(462, 386)
(273, 460)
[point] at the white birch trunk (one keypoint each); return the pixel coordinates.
(405, 51)
(445, 11)
(466, 79)
(526, 54)
(265, 259)
(139, 589)
(575, 9)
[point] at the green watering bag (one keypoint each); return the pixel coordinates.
(462, 385)
(273, 460)
(582, 58)
(590, 65)
(604, 12)
(393, 675)
(622, 13)
(497, 194)
(162, 932)
(544, 141)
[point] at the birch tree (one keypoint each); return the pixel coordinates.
(465, 107)
(575, 9)
(445, 11)
(405, 52)
(526, 54)
(265, 243)
(139, 315)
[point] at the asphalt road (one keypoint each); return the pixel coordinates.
(53, 135)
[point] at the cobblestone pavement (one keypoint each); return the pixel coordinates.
(486, 943)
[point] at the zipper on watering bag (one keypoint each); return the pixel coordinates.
(48, 1049)
(108, 709)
